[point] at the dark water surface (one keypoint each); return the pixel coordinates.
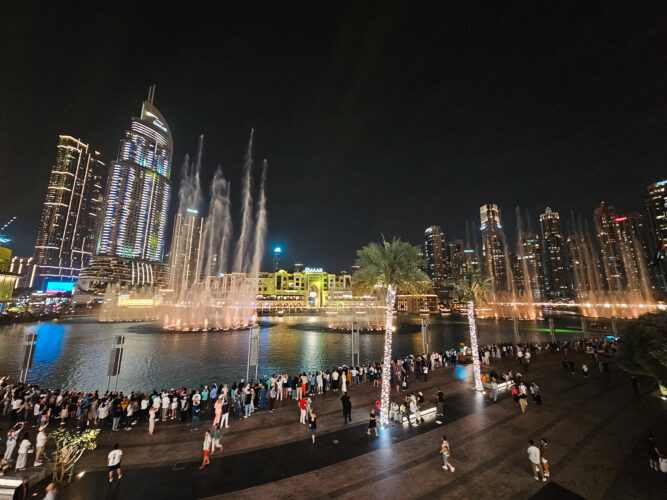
(74, 353)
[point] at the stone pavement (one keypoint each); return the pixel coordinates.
(596, 430)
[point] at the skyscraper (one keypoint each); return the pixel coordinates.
(277, 252)
(656, 240)
(494, 260)
(434, 253)
(456, 259)
(532, 282)
(138, 193)
(610, 255)
(71, 213)
(554, 263)
(633, 257)
(185, 250)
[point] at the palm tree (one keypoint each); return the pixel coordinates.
(472, 288)
(388, 268)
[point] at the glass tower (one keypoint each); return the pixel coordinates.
(495, 260)
(656, 238)
(554, 263)
(435, 254)
(138, 191)
(71, 213)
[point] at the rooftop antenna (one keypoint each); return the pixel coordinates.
(151, 94)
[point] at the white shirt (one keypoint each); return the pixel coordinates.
(534, 454)
(115, 455)
(165, 402)
(41, 439)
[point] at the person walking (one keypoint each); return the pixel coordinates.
(113, 461)
(535, 461)
(196, 411)
(225, 413)
(523, 398)
(217, 407)
(441, 402)
(372, 423)
(445, 452)
(302, 407)
(217, 436)
(207, 449)
(312, 424)
(24, 448)
(584, 370)
(543, 455)
(347, 407)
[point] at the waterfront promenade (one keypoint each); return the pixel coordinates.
(596, 430)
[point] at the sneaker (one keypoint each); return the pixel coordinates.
(453, 469)
(444, 467)
(111, 480)
(536, 478)
(544, 479)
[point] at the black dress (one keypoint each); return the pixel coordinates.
(373, 423)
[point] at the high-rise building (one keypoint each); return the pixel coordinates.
(554, 263)
(456, 259)
(130, 244)
(656, 233)
(632, 253)
(277, 252)
(24, 267)
(138, 192)
(610, 255)
(184, 255)
(494, 260)
(586, 278)
(434, 253)
(529, 257)
(71, 214)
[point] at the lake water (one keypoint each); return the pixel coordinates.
(74, 353)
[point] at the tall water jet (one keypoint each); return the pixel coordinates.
(246, 208)
(260, 226)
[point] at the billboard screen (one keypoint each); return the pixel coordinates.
(59, 286)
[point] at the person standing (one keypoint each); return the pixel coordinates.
(273, 394)
(225, 413)
(217, 407)
(196, 411)
(151, 420)
(653, 453)
(12, 438)
(113, 460)
(24, 449)
(312, 424)
(584, 369)
(523, 397)
(441, 402)
(40, 443)
(207, 449)
(543, 455)
(445, 452)
(347, 407)
(535, 461)
(372, 423)
(302, 407)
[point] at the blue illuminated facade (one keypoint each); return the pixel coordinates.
(139, 191)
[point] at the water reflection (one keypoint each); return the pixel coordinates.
(74, 353)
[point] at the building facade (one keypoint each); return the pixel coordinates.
(185, 252)
(139, 190)
(554, 260)
(309, 288)
(435, 255)
(610, 256)
(494, 248)
(530, 270)
(656, 233)
(24, 267)
(71, 214)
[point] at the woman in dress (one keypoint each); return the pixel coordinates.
(218, 411)
(151, 420)
(312, 424)
(24, 447)
(372, 423)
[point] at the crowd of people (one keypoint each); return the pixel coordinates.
(30, 406)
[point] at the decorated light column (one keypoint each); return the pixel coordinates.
(477, 370)
(386, 360)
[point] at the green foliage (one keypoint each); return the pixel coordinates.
(397, 264)
(69, 447)
(471, 287)
(643, 350)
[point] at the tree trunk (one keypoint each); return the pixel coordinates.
(474, 348)
(386, 360)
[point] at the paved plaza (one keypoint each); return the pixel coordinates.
(596, 430)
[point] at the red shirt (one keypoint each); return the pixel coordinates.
(302, 404)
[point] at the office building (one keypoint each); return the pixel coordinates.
(554, 260)
(71, 214)
(494, 261)
(25, 269)
(435, 255)
(277, 253)
(610, 256)
(629, 229)
(530, 270)
(656, 233)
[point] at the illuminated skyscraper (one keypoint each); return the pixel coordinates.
(494, 260)
(185, 250)
(554, 263)
(277, 252)
(604, 216)
(138, 192)
(71, 213)
(435, 255)
(529, 278)
(656, 240)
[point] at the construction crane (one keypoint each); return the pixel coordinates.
(3, 238)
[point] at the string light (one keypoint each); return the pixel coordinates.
(477, 370)
(386, 362)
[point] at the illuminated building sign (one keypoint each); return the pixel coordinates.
(59, 286)
(159, 125)
(191, 211)
(313, 270)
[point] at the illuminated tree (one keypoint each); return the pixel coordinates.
(387, 268)
(472, 288)
(70, 446)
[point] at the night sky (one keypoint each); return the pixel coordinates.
(376, 118)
